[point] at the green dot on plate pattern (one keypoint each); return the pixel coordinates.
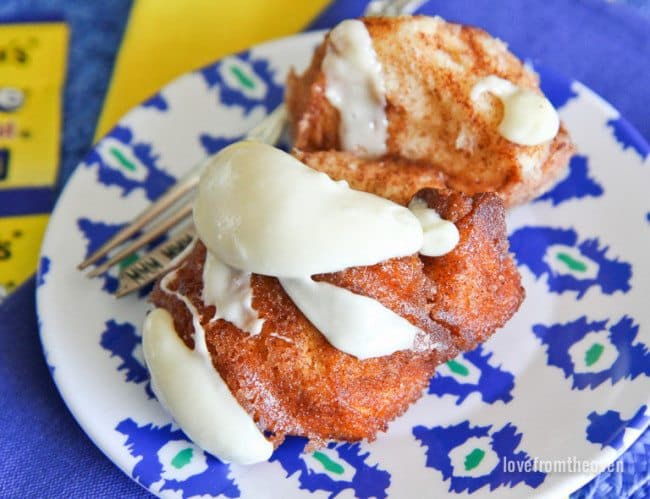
(474, 458)
(182, 458)
(242, 77)
(122, 159)
(593, 354)
(328, 463)
(571, 262)
(125, 262)
(457, 368)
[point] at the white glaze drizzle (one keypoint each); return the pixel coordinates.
(529, 119)
(252, 189)
(229, 290)
(355, 324)
(440, 236)
(281, 337)
(186, 383)
(355, 86)
(261, 210)
(199, 332)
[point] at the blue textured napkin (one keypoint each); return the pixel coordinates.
(43, 453)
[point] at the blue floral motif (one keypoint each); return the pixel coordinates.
(493, 383)
(43, 269)
(145, 441)
(557, 89)
(155, 182)
(577, 185)
(608, 429)
(627, 136)
(440, 441)
(156, 102)
(531, 244)
(367, 481)
(233, 96)
(122, 340)
(212, 145)
(96, 234)
(632, 359)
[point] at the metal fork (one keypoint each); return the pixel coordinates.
(176, 204)
(267, 131)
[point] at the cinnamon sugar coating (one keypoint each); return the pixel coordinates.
(293, 382)
(430, 67)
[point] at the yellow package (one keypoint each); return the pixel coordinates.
(182, 36)
(32, 72)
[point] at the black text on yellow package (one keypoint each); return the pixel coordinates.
(32, 72)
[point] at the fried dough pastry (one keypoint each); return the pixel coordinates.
(396, 179)
(430, 67)
(293, 382)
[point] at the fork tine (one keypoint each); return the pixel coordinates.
(155, 231)
(268, 131)
(184, 185)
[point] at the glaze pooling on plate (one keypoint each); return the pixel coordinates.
(511, 393)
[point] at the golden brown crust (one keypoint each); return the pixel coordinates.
(551, 171)
(313, 120)
(478, 285)
(294, 382)
(391, 178)
(430, 67)
(290, 378)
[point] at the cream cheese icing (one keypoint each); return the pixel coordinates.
(186, 383)
(261, 210)
(529, 119)
(440, 236)
(355, 86)
(355, 324)
(229, 290)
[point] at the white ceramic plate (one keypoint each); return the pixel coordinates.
(567, 380)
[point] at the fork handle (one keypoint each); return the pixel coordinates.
(392, 8)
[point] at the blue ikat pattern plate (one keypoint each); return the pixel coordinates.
(568, 378)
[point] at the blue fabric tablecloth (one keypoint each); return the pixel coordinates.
(43, 453)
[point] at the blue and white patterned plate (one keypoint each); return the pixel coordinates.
(567, 380)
